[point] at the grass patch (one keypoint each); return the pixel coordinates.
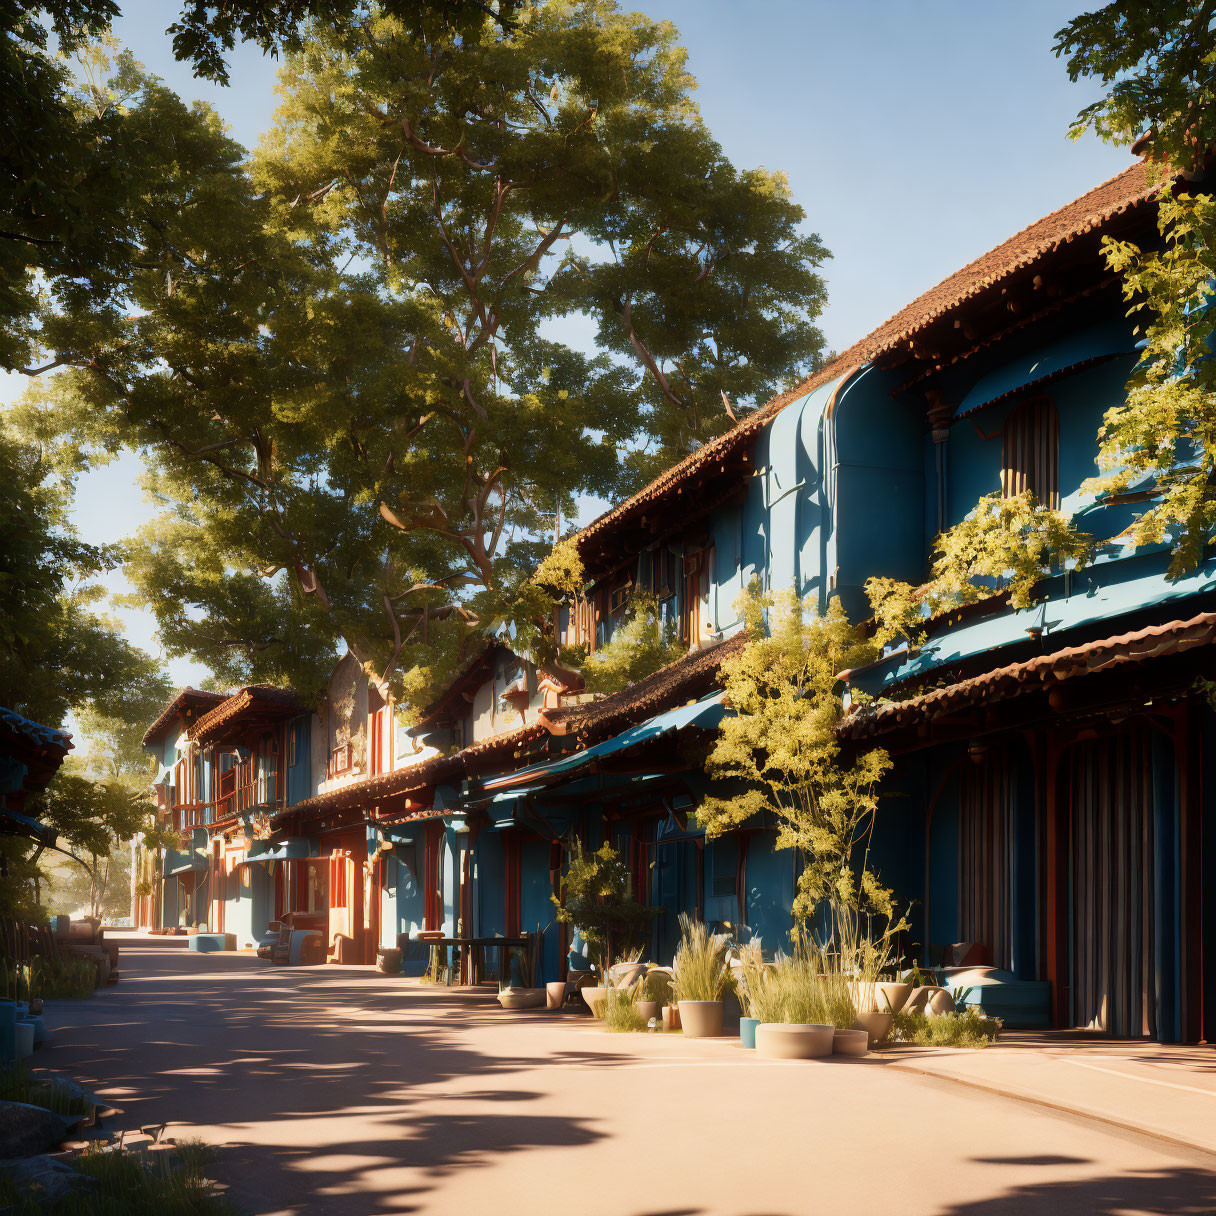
(128, 1187)
(966, 1029)
(68, 977)
(49, 1093)
(621, 1014)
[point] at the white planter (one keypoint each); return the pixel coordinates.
(594, 995)
(891, 997)
(521, 998)
(701, 1019)
(793, 1041)
(850, 1042)
(876, 1025)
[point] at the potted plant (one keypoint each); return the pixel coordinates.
(702, 972)
(655, 993)
(596, 898)
(792, 1002)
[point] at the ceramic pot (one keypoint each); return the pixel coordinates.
(621, 975)
(388, 960)
(747, 1031)
(649, 1009)
(793, 1041)
(876, 1025)
(521, 998)
(891, 996)
(850, 1042)
(594, 994)
(555, 994)
(937, 1001)
(671, 1017)
(25, 1039)
(701, 1019)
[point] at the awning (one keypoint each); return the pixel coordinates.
(13, 823)
(294, 848)
(183, 863)
(705, 714)
(1090, 346)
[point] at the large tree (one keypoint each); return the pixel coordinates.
(347, 358)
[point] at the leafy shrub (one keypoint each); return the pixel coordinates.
(967, 1028)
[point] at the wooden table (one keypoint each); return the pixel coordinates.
(473, 949)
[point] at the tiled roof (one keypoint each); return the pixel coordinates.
(401, 781)
(687, 677)
(34, 732)
(1043, 671)
(1128, 189)
(188, 698)
(256, 696)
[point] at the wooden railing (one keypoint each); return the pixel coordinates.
(232, 798)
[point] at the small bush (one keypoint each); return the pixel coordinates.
(968, 1028)
(657, 987)
(621, 1014)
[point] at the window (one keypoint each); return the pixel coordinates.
(291, 746)
(1030, 452)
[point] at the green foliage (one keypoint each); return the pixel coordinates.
(65, 977)
(779, 748)
(640, 645)
(130, 1186)
(49, 1093)
(1163, 434)
(1005, 544)
(701, 966)
(1155, 62)
(967, 1028)
(620, 1010)
(337, 355)
(656, 986)
(596, 898)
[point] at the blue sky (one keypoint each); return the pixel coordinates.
(915, 135)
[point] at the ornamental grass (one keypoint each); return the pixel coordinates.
(966, 1028)
(620, 1010)
(702, 969)
(66, 977)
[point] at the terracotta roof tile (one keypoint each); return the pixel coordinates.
(256, 696)
(1092, 210)
(1153, 642)
(417, 776)
(188, 698)
(687, 677)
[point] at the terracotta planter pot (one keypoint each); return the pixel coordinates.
(671, 1017)
(594, 994)
(701, 1019)
(851, 1042)
(521, 998)
(555, 994)
(649, 1009)
(747, 1031)
(793, 1041)
(891, 996)
(876, 1025)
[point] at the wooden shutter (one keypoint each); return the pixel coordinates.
(1030, 455)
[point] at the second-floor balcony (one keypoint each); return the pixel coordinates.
(236, 791)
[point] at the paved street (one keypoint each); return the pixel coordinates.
(336, 1090)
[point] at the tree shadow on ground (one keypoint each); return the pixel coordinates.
(1182, 1190)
